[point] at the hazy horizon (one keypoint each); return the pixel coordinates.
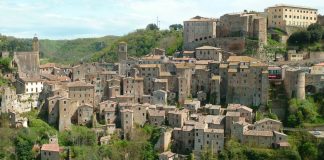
(59, 20)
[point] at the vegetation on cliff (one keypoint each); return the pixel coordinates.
(143, 41)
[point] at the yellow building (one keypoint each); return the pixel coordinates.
(282, 15)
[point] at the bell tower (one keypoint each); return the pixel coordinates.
(122, 51)
(35, 44)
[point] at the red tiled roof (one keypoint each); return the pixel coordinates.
(50, 147)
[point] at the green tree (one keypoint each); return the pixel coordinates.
(308, 151)
(176, 27)
(207, 154)
(152, 26)
(299, 38)
(5, 64)
(314, 26)
(316, 36)
(24, 143)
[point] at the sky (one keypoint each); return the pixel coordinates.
(70, 19)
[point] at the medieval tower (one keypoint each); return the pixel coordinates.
(122, 51)
(35, 44)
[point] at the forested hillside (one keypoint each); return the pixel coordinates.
(140, 42)
(143, 41)
(73, 51)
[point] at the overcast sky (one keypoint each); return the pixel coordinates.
(68, 19)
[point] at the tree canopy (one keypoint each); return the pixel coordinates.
(152, 26)
(176, 27)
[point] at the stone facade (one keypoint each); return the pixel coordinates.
(85, 114)
(244, 25)
(294, 83)
(81, 92)
(177, 118)
(246, 81)
(156, 117)
(320, 20)
(160, 97)
(122, 51)
(192, 105)
(199, 28)
(127, 122)
(208, 53)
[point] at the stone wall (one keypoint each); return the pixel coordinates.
(316, 55)
(232, 44)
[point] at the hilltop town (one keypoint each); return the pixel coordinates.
(224, 89)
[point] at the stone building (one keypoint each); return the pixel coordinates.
(67, 110)
(184, 138)
(113, 88)
(127, 121)
(134, 86)
(320, 20)
(196, 137)
(168, 155)
(160, 97)
(244, 81)
(208, 53)
(156, 117)
(53, 110)
(209, 138)
(231, 117)
(215, 89)
(80, 71)
(8, 100)
(192, 105)
(153, 59)
(18, 103)
(16, 121)
(85, 114)
(160, 84)
(140, 113)
(315, 79)
(245, 112)
(268, 124)
(184, 79)
(149, 72)
(122, 51)
(81, 92)
(263, 133)
(47, 68)
(177, 118)
(50, 152)
(244, 25)
(294, 82)
(198, 28)
(284, 15)
(27, 63)
(108, 111)
(292, 55)
(200, 79)
(212, 109)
